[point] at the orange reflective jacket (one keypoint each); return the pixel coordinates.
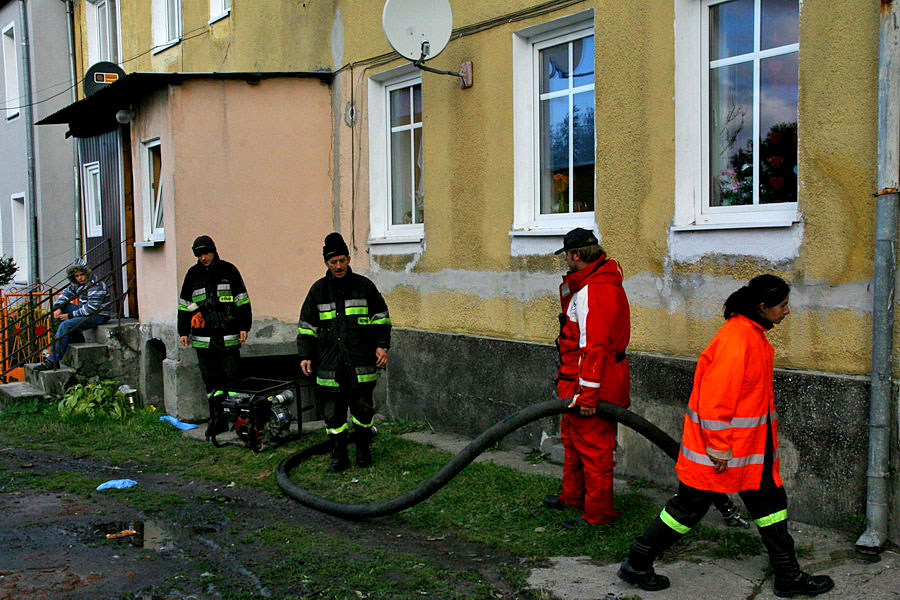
(730, 405)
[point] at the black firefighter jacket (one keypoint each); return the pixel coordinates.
(218, 293)
(342, 322)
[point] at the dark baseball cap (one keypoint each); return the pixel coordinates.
(577, 238)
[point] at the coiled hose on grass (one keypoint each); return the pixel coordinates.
(484, 441)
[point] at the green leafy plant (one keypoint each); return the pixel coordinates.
(97, 399)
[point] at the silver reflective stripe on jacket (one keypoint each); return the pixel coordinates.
(737, 461)
(742, 422)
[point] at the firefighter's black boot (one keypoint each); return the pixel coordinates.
(789, 579)
(363, 438)
(339, 459)
(638, 567)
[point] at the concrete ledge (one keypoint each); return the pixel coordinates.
(19, 391)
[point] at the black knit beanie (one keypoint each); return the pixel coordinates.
(334, 246)
(203, 245)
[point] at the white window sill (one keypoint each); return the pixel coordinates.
(533, 242)
(219, 17)
(714, 226)
(165, 46)
(149, 243)
(413, 244)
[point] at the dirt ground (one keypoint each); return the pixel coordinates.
(53, 545)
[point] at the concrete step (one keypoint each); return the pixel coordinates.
(51, 382)
(128, 327)
(19, 391)
(86, 357)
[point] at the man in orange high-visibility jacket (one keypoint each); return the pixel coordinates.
(594, 332)
(730, 444)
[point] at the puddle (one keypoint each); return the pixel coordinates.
(149, 535)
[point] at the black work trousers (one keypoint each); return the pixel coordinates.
(219, 368)
(335, 402)
(767, 507)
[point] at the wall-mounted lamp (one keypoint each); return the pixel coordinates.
(125, 116)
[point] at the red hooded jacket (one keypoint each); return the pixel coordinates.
(595, 327)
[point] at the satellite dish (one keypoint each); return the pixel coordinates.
(417, 29)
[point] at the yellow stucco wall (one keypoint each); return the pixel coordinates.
(466, 279)
(469, 186)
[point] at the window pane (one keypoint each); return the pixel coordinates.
(778, 129)
(583, 168)
(103, 30)
(419, 179)
(731, 135)
(417, 103)
(555, 156)
(583, 59)
(730, 29)
(554, 68)
(172, 19)
(401, 178)
(779, 23)
(400, 107)
(113, 32)
(97, 217)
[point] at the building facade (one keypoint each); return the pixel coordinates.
(705, 141)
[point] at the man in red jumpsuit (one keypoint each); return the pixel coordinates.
(594, 332)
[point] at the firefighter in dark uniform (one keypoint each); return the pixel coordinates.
(214, 316)
(343, 337)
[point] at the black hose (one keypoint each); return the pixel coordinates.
(484, 441)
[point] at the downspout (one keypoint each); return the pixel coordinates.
(76, 148)
(35, 273)
(876, 534)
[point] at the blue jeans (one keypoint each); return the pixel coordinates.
(69, 327)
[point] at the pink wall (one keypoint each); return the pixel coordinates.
(251, 169)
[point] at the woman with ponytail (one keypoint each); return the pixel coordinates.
(730, 443)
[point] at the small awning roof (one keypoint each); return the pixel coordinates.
(96, 114)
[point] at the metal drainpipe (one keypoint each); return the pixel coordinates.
(76, 148)
(880, 399)
(35, 270)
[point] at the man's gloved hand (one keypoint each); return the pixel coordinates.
(197, 321)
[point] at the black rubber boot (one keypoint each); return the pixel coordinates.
(789, 579)
(363, 438)
(339, 459)
(646, 579)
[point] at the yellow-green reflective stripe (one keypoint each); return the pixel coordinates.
(199, 298)
(357, 310)
(327, 382)
(196, 344)
(305, 331)
(183, 307)
(367, 377)
(363, 320)
(384, 321)
(242, 302)
(340, 429)
(781, 515)
(233, 342)
(327, 315)
(671, 522)
(356, 421)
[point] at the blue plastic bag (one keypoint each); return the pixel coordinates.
(177, 423)
(116, 484)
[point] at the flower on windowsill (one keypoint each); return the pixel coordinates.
(561, 188)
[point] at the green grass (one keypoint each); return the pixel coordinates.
(487, 504)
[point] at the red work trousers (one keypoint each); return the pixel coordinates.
(587, 482)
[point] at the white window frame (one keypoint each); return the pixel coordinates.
(21, 251)
(218, 9)
(10, 70)
(167, 24)
(152, 205)
(692, 176)
(92, 199)
(94, 10)
(526, 46)
(380, 228)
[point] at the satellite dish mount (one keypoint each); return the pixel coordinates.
(419, 30)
